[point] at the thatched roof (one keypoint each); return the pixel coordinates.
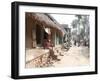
(46, 21)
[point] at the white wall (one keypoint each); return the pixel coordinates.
(5, 40)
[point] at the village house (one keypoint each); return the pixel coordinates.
(38, 25)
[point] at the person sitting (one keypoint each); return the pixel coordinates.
(48, 45)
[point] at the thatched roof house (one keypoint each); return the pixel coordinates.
(45, 20)
(35, 26)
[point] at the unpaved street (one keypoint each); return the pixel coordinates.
(76, 56)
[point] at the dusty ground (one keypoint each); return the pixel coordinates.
(76, 56)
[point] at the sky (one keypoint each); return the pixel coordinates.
(63, 19)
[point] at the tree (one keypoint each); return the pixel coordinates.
(81, 28)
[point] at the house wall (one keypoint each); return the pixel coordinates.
(53, 36)
(30, 33)
(56, 37)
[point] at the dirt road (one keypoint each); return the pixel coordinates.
(76, 56)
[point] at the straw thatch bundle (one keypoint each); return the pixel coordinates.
(46, 21)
